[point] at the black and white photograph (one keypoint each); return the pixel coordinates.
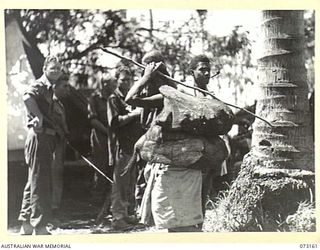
(148, 121)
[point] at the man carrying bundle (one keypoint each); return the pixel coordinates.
(200, 69)
(173, 195)
(181, 141)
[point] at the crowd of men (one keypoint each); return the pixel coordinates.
(154, 193)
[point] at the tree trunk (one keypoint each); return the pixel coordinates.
(277, 175)
(283, 98)
(32, 51)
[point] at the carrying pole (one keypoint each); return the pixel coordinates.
(90, 163)
(183, 84)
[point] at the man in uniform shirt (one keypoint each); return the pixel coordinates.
(40, 144)
(126, 130)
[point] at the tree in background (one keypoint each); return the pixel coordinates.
(76, 35)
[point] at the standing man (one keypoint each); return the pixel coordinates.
(60, 90)
(172, 198)
(99, 134)
(40, 144)
(200, 69)
(126, 130)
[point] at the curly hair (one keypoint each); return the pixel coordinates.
(195, 60)
(153, 56)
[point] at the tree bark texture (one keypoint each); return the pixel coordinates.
(283, 94)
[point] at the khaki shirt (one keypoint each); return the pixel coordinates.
(41, 90)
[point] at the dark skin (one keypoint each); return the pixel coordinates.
(150, 80)
(124, 83)
(201, 75)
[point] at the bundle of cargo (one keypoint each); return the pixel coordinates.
(179, 149)
(195, 115)
(186, 132)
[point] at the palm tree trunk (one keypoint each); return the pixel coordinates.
(283, 94)
(277, 175)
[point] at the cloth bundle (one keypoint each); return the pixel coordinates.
(180, 149)
(186, 132)
(194, 115)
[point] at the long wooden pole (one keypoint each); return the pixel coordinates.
(47, 119)
(183, 84)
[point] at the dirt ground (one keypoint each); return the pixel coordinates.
(78, 217)
(79, 207)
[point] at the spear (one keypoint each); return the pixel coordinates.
(183, 84)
